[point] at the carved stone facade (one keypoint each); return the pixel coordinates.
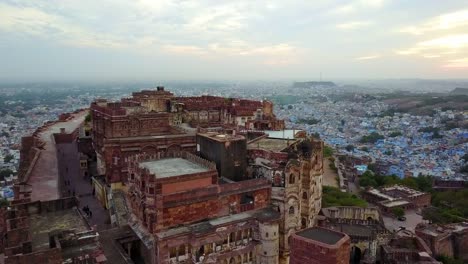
(203, 213)
(193, 218)
(295, 171)
(364, 226)
(151, 121)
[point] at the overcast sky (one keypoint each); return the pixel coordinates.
(246, 39)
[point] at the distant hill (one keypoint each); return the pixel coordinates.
(311, 84)
(459, 91)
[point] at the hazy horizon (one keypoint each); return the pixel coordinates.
(146, 41)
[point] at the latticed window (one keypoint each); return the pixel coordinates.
(292, 179)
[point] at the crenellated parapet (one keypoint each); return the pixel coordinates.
(135, 161)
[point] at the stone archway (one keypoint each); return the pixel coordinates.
(173, 148)
(150, 149)
(356, 255)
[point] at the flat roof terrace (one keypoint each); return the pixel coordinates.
(42, 224)
(271, 144)
(171, 167)
(323, 235)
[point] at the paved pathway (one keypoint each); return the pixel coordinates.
(413, 218)
(329, 175)
(44, 176)
(69, 162)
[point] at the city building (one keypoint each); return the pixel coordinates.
(154, 121)
(364, 226)
(405, 247)
(141, 124)
(52, 232)
(448, 240)
(397, 196)
(193, 215)
(184, 179)
(319, 245)
(294, 166)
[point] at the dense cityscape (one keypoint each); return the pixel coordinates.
(234, 132)
(381, 163)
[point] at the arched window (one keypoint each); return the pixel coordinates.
(291, 210)
(276, 207)
(291, 179)
(304, 195)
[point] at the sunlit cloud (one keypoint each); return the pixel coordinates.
(370, 57)
(457, 63)
(353, 25)
(356, 5)
(207, 23)
(447, 45)
(442, 22)
(430, 56)
(184, 50)
(447, 42)
(273, 55)
(261, 33)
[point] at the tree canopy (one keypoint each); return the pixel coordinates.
(398, 211)
(371, 138)
(8, 158)
(333, 196)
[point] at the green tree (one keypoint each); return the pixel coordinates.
(465, 157)
(5, 173)
(398, 211)
(464, 169)
(390, 180)
(4, 134)
(395, 134)
(372, 167)
(333, 196)
(327, 151)
(349, 148)
(368, 179)
(371, 138)
(449, 260)
(4, 202)
(88, 118)
(424, 182)
(8, 158)
(410, 182)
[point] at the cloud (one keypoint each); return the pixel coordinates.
(184, 28)
(450, 44)
(430, 56)
(370, 57)
(447, 42)
(184, 50)
(35, 22)
(353, 25)
(356, 5)
(273, 54)
(457, 63)
(442, 22)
